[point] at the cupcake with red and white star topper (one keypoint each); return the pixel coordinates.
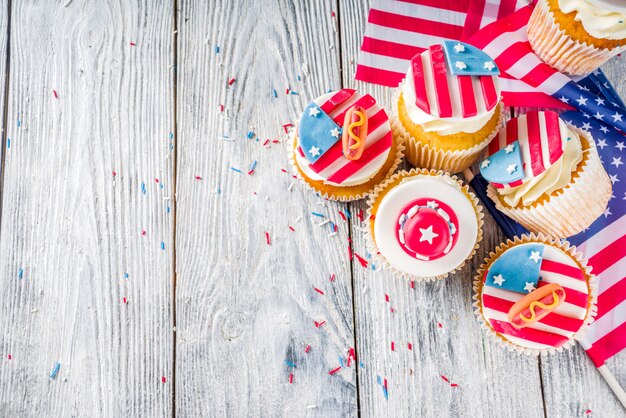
(343, 145)
(448, 107)
(423, 224)
(535, 294)
(547, 175)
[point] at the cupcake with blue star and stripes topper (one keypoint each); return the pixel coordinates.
(535, 294)
(546, 174)
(448, 108)
(343, 146)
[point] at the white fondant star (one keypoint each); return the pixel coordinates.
(616, 117)
(602, 143)
(582, 101)
(511, 168)
(607, 212)
(335, 133)
(314, 151)
(604, 129)
(586, 126)
(459, 47)
(613, 178)
(529, 287)
(598, 116)
(428, 234)
(314, 111)
(485, 164)
(509, 148)
(535, 256)
(489, 65)
(460, 65)
(617, 161)
(564, 99)
(432, 204)
(620, 145)
(498, 279)
(600, 101)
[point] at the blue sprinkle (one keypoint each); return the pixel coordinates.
(250, 135)
(235, 169)
(340, 361)
(329, 90)
(299, 78)
(8, 142)
(217, 49)
(143, 187)
(171, 147)
(19, 123)
(293, 92)
(163, 245)
(161, 185)
(332, 226)
(253, 166)
(167, 209)
(219, 191)
(126, 275)
(378, 380)
(274, 92)
(345, 212)
(20, 273)
(290, 364)
(385, 393)
(373, 266)
(55, 371)
(361, 365)
(317, 214)
(171, 135)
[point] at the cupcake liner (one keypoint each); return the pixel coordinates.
(565, 247)
(557, 49)
(427, 156)
(379, 193)
(329, 195)
(570, 210)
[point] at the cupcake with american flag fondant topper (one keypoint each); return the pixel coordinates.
(343, 145)
(546, 174)
(448, 107)
(535, 295)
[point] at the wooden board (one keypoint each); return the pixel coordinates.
(245, 309)
(90, 104)
(4, 37)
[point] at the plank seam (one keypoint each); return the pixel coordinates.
(174, 201)
(5, 112)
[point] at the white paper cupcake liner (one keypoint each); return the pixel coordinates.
(393, 181)
(478, 285)
(399, 147)
(557, 49)
(569, 210)
(427, 156)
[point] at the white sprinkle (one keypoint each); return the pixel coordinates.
(324, 223)
(298, 220)
(332, 234)
(67, 3)
(291, 186)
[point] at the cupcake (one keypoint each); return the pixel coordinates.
(577, 36)
(535, 295)
(423, 224)
(546, 175)
(448, 107)
(343, 145)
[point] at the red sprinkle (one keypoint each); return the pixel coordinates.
(9, 356)
(290, 378)
(332, 14)
(319, 324)
(412, 284)
(231, 81)
(286, 127)
(132, 44)
(332, 277)
(453, 385)
(286, 91)
(198, 178)
(439, 325)
(267, 238)
(156, 180)
(386, 297)
(143, 232)
(114, 173)
(125, 300)
(350, 250)
(445, 378)
(360, 215)
(307, 348)
(342, 215)
(363, 261)
(163, 379)
(318, 291)
(333, 371)
(283, 170)
(410, 346)
(56, 96)
(276, 141)
(393, 346)
(291, 227)
(221, 107)
(266, 142)
(588, 411)
(251, 172)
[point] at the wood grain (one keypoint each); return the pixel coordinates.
(71, 228)
(4, 36)
(245, 308)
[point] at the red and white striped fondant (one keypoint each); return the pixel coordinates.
(556, 328)
(542, 136)
(333, 166)
(444, 95)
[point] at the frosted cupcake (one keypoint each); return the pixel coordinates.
(448, 108)
(546, 175)
(577, 36)
(343, 146)
(423, 224)
(535, 295)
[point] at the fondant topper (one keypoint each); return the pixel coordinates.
(517, 269)
(466, 59)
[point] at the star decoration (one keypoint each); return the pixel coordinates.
(509, 148)
(314, 151)
(613, 178)
(529, 287)
(485, 164)
(489, 65)
(586, 126)
(604, 129)
(616, 117)
(335, 133)
(511, 168)
(535, 256)
(602, 143)
(428, 234)
(617, 162)
(584, 88)
(598, 116)
(582, 101)
(607, 212)
(460, 65)
(314, 111)
(432, 204)
(564, 99)
(620, 145)
(586, 115)
(459, 47)
(600, 101)
(498, 279)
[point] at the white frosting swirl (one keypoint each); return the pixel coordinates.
(602, 21)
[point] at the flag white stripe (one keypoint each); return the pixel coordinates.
(609, 321)
(383, 62)
(603, 238)
(421, 11)
(611, 275)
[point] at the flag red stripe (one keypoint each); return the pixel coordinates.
(511, 55)
(531, 99)
(336, 150)
(555, 147)
(509, 24)
(453, 6)
(440, 76)
(421, 97)
(553, 319)
(611, 297)
(506, 8)
(378, 76)
(608, 256)
(534, 335)
(538, 75)
(372, 152)
(501, 186)
(415, 24)
(473, 19)
(336, 99)
(564, 269)
(468, 100)
(534, 143)
(608, 346)
(489, 91)
(365, 102)
(511, 131)
(389, 49)
(572, 296)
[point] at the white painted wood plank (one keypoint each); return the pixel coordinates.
(71, 229)
(487, 376)
(4, 34)
(245, 307)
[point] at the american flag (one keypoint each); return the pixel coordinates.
(397, 30)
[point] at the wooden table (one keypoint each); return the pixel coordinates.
(133, 242)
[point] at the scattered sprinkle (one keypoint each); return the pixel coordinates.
(217, 49)
(163, 245)
(231, 81)
(360, 215)
(342, 215)
(9, 356)
(319, 324)
(319, 215)
(290, 378)
(132, 44)
(267, 238)
(412, 284)
(307, 348)
(588, 411)
(235, 169)
(386, 297)
(393, 346)
(333, 371)
(20, 273)
(55, 371)
(56, 96)
(163, 379)
(410, 346)
(125, 300)
(274, 93)
(290, 364)
(221, 107)
(439, 325)
(198, 178)
(286, 127)
(252, 167)
(454, 385)
(332, 277)
(363, 261)
(445, 378)
(320, 291)
(291, 227)
(250, 135)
